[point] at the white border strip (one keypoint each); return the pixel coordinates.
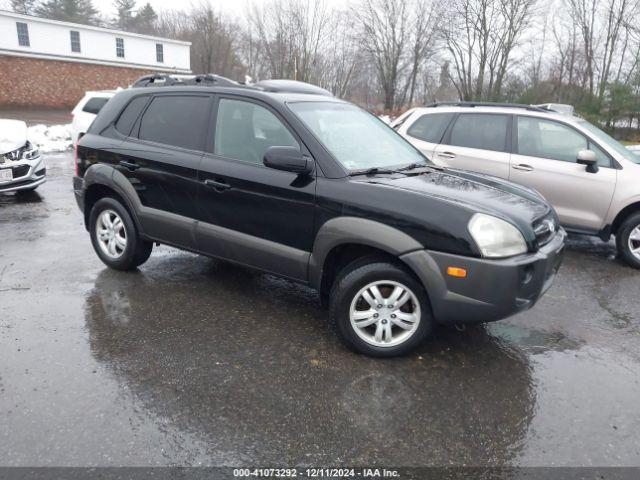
(92, 61)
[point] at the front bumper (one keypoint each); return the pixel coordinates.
(28, 174)
(493, 289)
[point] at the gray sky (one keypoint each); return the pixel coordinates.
(233, 7)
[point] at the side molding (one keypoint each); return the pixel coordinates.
(345, 230)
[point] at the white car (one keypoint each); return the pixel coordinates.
(635, 149)
(21, 166)
(87, 109)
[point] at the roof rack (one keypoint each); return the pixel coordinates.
(167, 80)
(291, 86)
(487, 104)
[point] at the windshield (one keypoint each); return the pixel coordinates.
(357, 139)
(610, 142)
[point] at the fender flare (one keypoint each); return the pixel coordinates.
(348, 230)
(108, 176)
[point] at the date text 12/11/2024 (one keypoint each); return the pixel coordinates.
(316, 473)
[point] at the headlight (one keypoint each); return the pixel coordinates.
(30, 152)
(495, 237)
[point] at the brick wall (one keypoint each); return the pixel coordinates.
(29, 82)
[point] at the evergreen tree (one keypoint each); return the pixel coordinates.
(76, 11)
(124, 9)
(22, 6)
(145, 19)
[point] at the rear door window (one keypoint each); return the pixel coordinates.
(430, 127)
(94, 105)
(180, 121)
(480, 130)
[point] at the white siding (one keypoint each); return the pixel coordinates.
(52, 39)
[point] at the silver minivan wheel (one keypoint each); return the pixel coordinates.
(111, 234)
(634, 242)
(385, 313)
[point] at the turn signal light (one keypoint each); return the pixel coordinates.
(457, 272)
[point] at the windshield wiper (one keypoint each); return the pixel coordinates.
(379, 170)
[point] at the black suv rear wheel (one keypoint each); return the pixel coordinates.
(380, 309)
(628, 240)
(114, 236)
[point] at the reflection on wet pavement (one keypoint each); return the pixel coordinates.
(193, 361)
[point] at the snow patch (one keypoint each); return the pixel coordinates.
(51, 138)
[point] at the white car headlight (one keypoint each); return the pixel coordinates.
(30, 152)
(495, 237)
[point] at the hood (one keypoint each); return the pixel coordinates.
(13, 135)
(476, 192)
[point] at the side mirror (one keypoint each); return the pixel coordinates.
(588, 158)
(288, 159)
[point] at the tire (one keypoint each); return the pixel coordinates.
(348, 297)
(127, 255)
(628, 239)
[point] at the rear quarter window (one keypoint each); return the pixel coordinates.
(94, 105)
(430, 127)
(130, 114)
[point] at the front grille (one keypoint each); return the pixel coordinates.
(545, 229)
(20, 171)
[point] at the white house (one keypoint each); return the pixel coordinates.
(100, 58)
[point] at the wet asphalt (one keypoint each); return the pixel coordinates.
(191, 361)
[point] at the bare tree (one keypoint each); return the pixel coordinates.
(385, 35)
(480, 37)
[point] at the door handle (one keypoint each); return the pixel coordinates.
(218, 186)
(129, 165)
(524, 167)
(446, 154)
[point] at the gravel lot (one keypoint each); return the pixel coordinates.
(191, 361)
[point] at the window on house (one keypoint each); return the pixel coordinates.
(119, 47)
(23, 34)
(75, 41)
(159, 53)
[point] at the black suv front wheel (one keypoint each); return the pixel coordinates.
(628, 240)
(115, 237)
(380, 309)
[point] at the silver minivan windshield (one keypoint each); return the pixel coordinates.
(357, 139)
(610, 142)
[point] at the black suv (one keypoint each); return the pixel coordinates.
(282, 177)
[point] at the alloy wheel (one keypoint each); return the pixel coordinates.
(385, 313)
(634, 242)
(111, 234)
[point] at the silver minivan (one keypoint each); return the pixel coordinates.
(590, 178)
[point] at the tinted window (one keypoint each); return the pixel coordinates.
(130, 114)
(538, 137)
(23, 34)
(430, 127)
(75, 41)
(176, 120)
(245, 131)
(477, 130)
(94, 105)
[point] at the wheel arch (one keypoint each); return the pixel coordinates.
(105, 181)
(343, 240)
(623, 214)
